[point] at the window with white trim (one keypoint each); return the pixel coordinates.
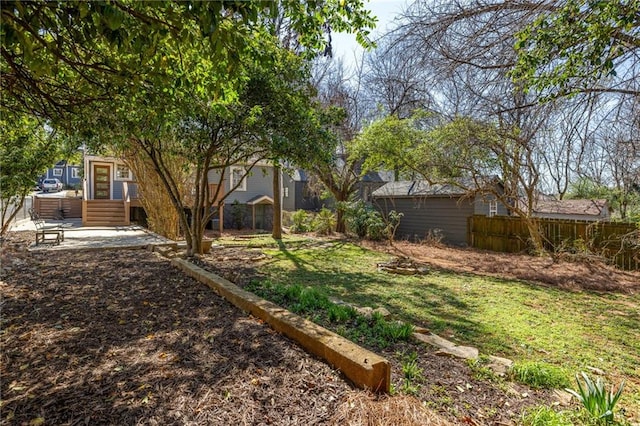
(493, 208)
(57, 172)
(123, 172)
(75, 173)
(238, 178)
(286, 191)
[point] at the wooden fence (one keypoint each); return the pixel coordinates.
(616, 241)
(50, 208)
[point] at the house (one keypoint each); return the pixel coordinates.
(244, 197)
(68, 174)
(248, 195)
(436, 209)
(109, 192)
(580, 209)
(370, 182)
(297, 193)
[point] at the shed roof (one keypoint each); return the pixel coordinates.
(572, 207)
(422, 188)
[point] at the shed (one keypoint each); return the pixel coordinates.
(434, 209)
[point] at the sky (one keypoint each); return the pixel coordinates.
(345, 46)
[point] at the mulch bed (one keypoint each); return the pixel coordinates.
(569, 275)
(121, 337)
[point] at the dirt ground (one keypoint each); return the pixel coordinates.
(121, 337)
(586, 274)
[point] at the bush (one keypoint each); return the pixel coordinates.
(355, 216)
(324, 222)
(237, 214)
(364, 221)
(301, 222)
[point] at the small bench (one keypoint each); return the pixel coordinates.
(52, 234)
(46, 234)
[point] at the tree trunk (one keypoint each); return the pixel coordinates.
(6, 222)
(276, 232)
(535, 235)
(340, 225)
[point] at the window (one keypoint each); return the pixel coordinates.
(286, 192)
(238, 178)
(75, 173)
(57, 172)
(493, 208)
(123, 172)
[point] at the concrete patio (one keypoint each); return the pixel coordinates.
(77, 237)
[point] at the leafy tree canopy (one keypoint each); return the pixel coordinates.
(62, 55)
(389, 143)
(581, 46)
(26, 151)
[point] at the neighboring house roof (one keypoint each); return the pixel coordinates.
(376, 177)
(260, 199)
(299, 175)
(422, 188)
(572, 207)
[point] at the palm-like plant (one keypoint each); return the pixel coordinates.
(598, 402)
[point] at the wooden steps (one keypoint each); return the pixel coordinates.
(105, 213)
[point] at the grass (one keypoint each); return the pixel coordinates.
(538, 374)
(525, 322)
(547, 416)
(313, 303)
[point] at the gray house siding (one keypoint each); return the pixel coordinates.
(423, 215)
(116, 185)
(288, 193)
(117, 190)
(481, 205)
(259, 182)
(237, 214)
(304, 200)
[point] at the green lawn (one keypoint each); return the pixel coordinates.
(515, 319)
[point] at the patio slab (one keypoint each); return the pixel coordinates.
(77, 237)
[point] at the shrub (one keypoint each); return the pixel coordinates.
(540, 375)
(595, 399)
(393, 221)
(364, 221)
(324, 222)
(301, 222)
(375, 226)
(237, 214)
(355, 215)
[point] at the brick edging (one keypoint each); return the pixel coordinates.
(364, 368)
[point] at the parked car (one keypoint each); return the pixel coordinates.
(51, 185)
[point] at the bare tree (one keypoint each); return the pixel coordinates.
(341, 96)
(394, 81)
